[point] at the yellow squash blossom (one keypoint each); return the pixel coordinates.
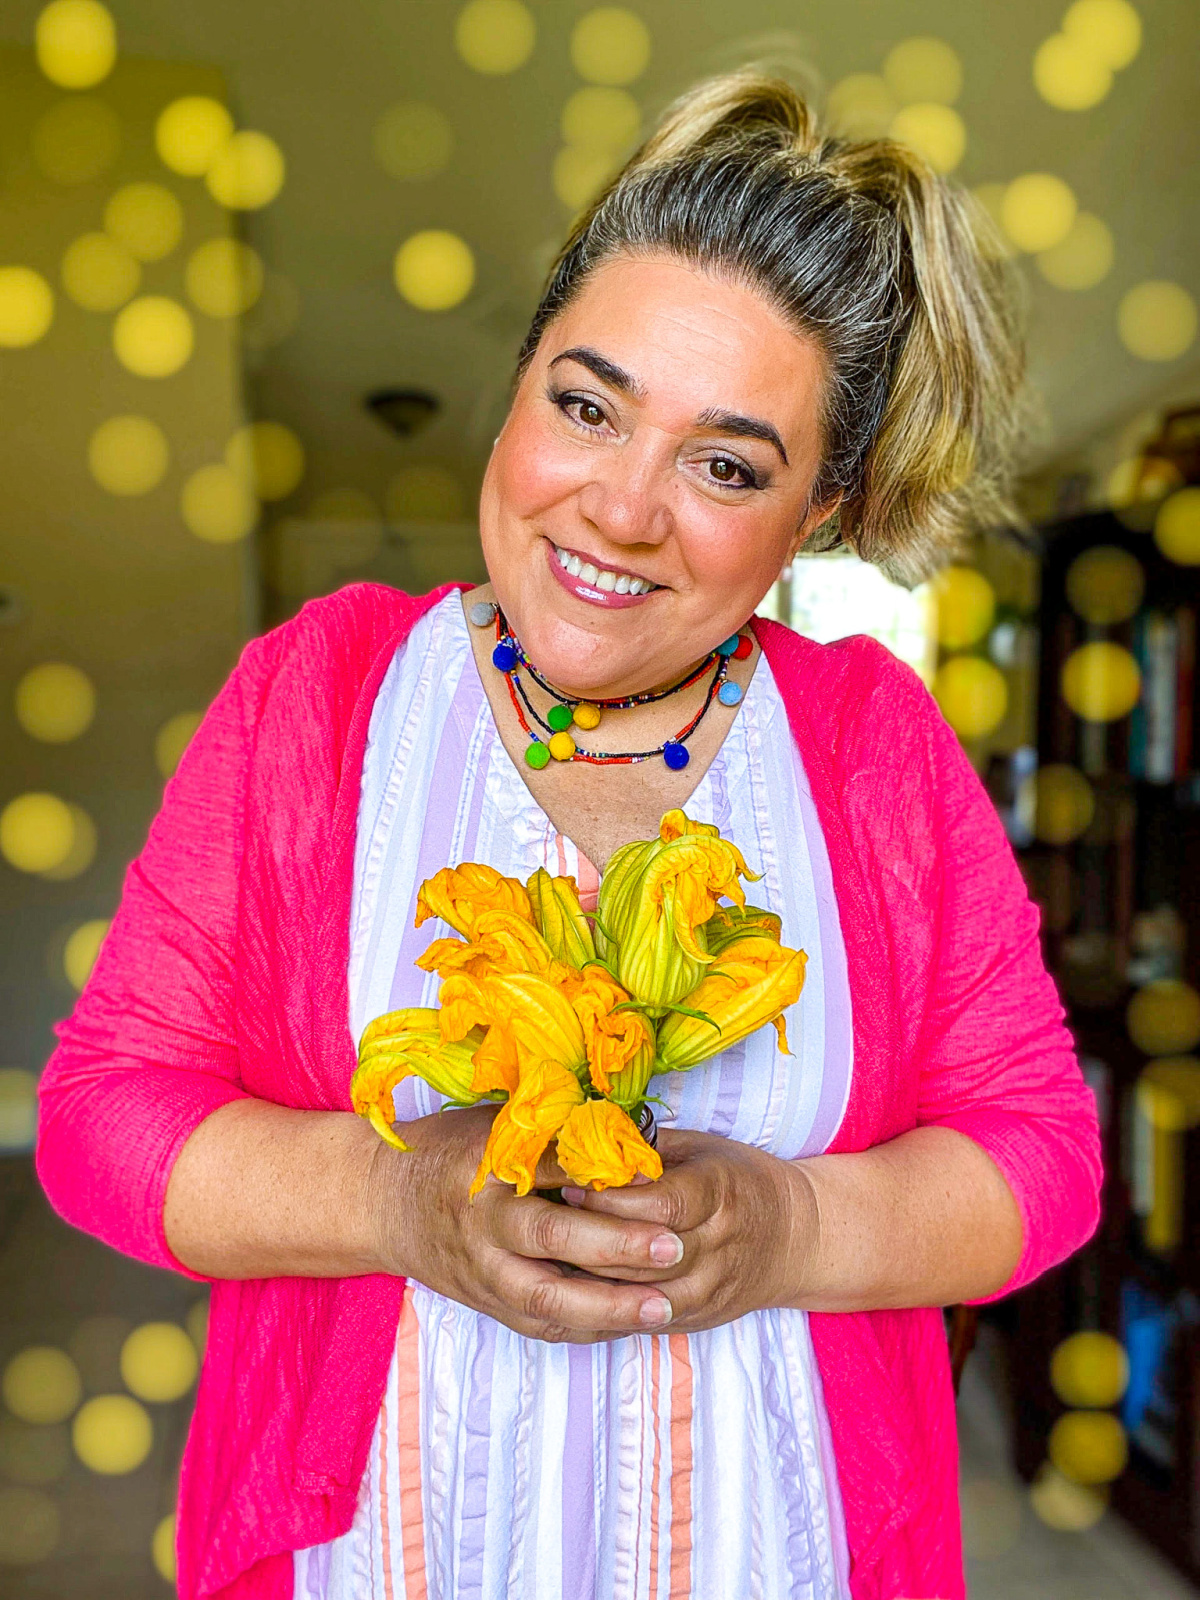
(560, 919)
(529, 1019)
(619, 1044)
(526, 1123)
(501, 941)
(752, 983)
(600, 1148)
(458, 894)
(404, 1044)
(733, 922)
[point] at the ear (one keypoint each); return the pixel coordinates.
(816, 517)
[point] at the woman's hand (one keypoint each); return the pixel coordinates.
(511, 1257)
(748, 1221)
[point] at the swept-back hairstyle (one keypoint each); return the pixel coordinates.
(864, 248)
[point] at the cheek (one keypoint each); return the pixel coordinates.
(728, 554)
(532, 470)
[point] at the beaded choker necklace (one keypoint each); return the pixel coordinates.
(556, 743)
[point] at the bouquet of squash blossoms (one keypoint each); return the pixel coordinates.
(565, 1018)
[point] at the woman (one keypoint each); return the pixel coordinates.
(733, 1379)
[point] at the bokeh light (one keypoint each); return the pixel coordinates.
(413, 140)
(98, 273)
(18, 1112)
(218, 505)
(1064, 804)
(597, 118)
(1177, 527)
(153, 337)
(991, 1518)
(26, 307)
(610, 45)
(972, 694)
(1105, 584)
(55, 702)
(247, 171)
(1082, 258)
(268, 457)
(346, 505)
(83, 848)
(1163, 1017)
(1134, 483)
(994, 243)
(223, 277)
(1065, 1506)
(1156, 320)
(41, 1384)
(495, 36)
(1089, 1369)
(173, 738)
(146, 218)
(190, 133)
(1089, 1447)
(76, 43)
(95, 1347)
(434, 270)
(75, 140)
(923, 68)
(966, 607)
(81, 950)
(1037, 211)
(33, 1454)
(112, 1434)
(128, 455)
(30, 1526)
(1068, 76)
(424, 492)
(162, 1548)
(934, 131)
(159, 1362)
(1101, 681)
(36, 832)
(1110, 30)
(578, 175)
(861, 106)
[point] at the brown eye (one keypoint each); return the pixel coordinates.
(591, 414)
(725, 471)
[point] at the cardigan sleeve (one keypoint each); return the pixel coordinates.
(997, 1062)
(150, 1049)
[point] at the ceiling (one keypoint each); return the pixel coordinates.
(316, 76)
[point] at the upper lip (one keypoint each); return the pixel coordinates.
(604, 566)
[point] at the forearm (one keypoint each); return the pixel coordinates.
(925, 1220)
(262, 1191)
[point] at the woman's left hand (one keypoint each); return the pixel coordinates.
(748, 1221)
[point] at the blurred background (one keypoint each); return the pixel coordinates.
(263, 275)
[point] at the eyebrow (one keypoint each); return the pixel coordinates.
(730, 422)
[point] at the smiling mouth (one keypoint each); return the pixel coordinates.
(610, 580)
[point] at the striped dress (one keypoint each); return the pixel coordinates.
(651, 1467)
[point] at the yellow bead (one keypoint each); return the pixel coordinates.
(562, 747)
(586, 716)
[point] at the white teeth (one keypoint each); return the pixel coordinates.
(574, 566)
(564, 559)
(600, 577)
(588, 573)
(638, 586)
(622, 583)
(606, 581)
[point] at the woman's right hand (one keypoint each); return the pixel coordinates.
(508, 1256)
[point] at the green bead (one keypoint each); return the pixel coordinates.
(536, 756)
(559, 718)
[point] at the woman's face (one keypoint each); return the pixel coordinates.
(653, 476)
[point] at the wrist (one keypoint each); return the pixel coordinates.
(803, 1235)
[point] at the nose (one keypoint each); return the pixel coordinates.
(625, 498)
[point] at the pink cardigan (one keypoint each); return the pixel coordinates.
(225, 975)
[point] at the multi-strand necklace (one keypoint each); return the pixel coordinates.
(555, 740)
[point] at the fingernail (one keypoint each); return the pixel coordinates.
(666, 1250)
(655, 1313)
(573, 1196)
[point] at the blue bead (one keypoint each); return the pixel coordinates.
(729, 694)
(728, 646)
(676, 755)
(505, 657)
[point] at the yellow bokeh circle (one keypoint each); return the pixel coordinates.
(966, 607)
(83, 848)
(412, 140)
(1105, 584)
(1068, 76)
(610, 45)
(994, 244)
(1163, 1017)
(98, 273)
(495, 36)
(579, 174)
(153, 337)
(1037, 211)
(55, 702)
(128, 455)
(173, 738)
(41, 1384)
(247, 172)
(218, 505)
(18, 1125)
(30, 1526)
(1089, 1447)
(923, 68)
(76, 140)
(146, 218)
(1177, 527)
(75, 42)
(424, 492)
(972, 694)
(190, 133)
(268, 457)
(934, 131)
(1110, 30)
(36, 832)
(1101, 681)
(1135, 481)
(1089, 1369)
(1156, 320)
(1064, 804)
(434, 270)
(1083, 258)
(159, 1362)
(112, 1434)
(223, 277)
(162, 1548)
(26, 307)
(1065, 1506)
(597, 118)
(81, 950)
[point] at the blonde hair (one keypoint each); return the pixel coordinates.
(868, 251)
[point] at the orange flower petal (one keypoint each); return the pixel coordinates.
(599, 1147)
(525, 1125)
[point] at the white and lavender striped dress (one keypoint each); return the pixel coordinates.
(653, 1467)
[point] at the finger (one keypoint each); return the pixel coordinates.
(682, 1200)
(549, 1174)
(560, 1308)
(532, 1227)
